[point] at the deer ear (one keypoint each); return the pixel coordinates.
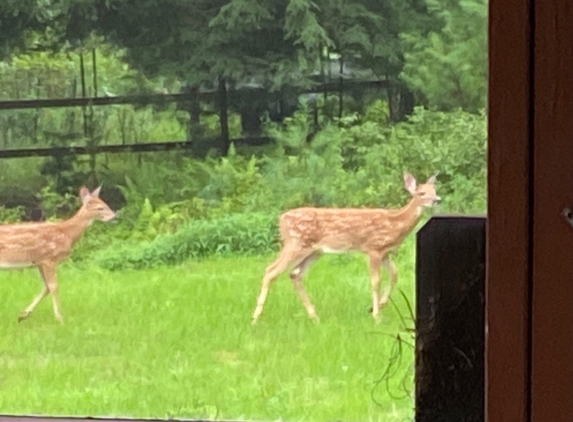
(432, 179)
(96, 191)
(84, 194)
(409, 183)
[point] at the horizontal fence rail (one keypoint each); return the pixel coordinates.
(147, 99)
(166, 98)
(115, 149)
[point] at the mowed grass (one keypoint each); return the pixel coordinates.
(177, 342)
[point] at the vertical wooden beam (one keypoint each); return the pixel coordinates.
(508, 280)
(450, 280)
(83, 84)
(94, 71)
(552, 301)
(223, 114)
(195, 131)
(341, 88)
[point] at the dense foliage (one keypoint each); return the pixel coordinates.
(173, 206)
(177, 207)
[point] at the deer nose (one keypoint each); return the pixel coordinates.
(111, 216)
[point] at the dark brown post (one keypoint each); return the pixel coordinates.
(341, 88)
(509, 216)
(223, 114)
(83, 82)
(450, 335)
(551, 256)
(94, 71)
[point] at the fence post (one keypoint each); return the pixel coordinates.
(223, 114)
(450, 283)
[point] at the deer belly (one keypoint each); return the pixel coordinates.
(327, 249)
(14, 265)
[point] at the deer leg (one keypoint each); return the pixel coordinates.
(271, 273)
(375, 262)
(289, 254)
(49, 275)
(296, 277)
(393, 273)
(26, 312)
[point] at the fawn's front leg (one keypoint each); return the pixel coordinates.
(48, 273)
(26, 312)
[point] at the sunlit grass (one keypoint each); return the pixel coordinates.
(178, 342)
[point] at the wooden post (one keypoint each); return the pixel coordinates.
(450, 280)
(83, 82)
(223, 114)
(341, 88)
(193, 107)
(94, 71)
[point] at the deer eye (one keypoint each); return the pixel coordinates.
(421, 193)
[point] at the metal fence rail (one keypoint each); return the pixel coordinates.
(118, 148)
(220, 96)
(167, 98)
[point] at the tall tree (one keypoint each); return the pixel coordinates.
(17, 19)
(447, 67)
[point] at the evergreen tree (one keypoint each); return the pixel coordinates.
(447, 68)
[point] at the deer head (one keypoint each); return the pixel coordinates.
(93, 206)
(424, 194)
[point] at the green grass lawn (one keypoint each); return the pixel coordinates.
(177, 342)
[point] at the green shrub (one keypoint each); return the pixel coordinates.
(244, 234)
(10, 215)
(173, 202)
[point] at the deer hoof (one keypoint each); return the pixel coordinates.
(23, 316)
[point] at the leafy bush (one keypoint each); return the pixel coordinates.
(10, 215)
(246, 234)
(189, 208)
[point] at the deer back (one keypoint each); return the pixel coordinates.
(337, 230)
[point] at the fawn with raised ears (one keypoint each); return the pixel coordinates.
(45, 245)
(307, 233)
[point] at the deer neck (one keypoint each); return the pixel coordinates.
(75, 226)
(409, 215)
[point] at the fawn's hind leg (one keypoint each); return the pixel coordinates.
(393, 275)
(289, 254)
(296, 277)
